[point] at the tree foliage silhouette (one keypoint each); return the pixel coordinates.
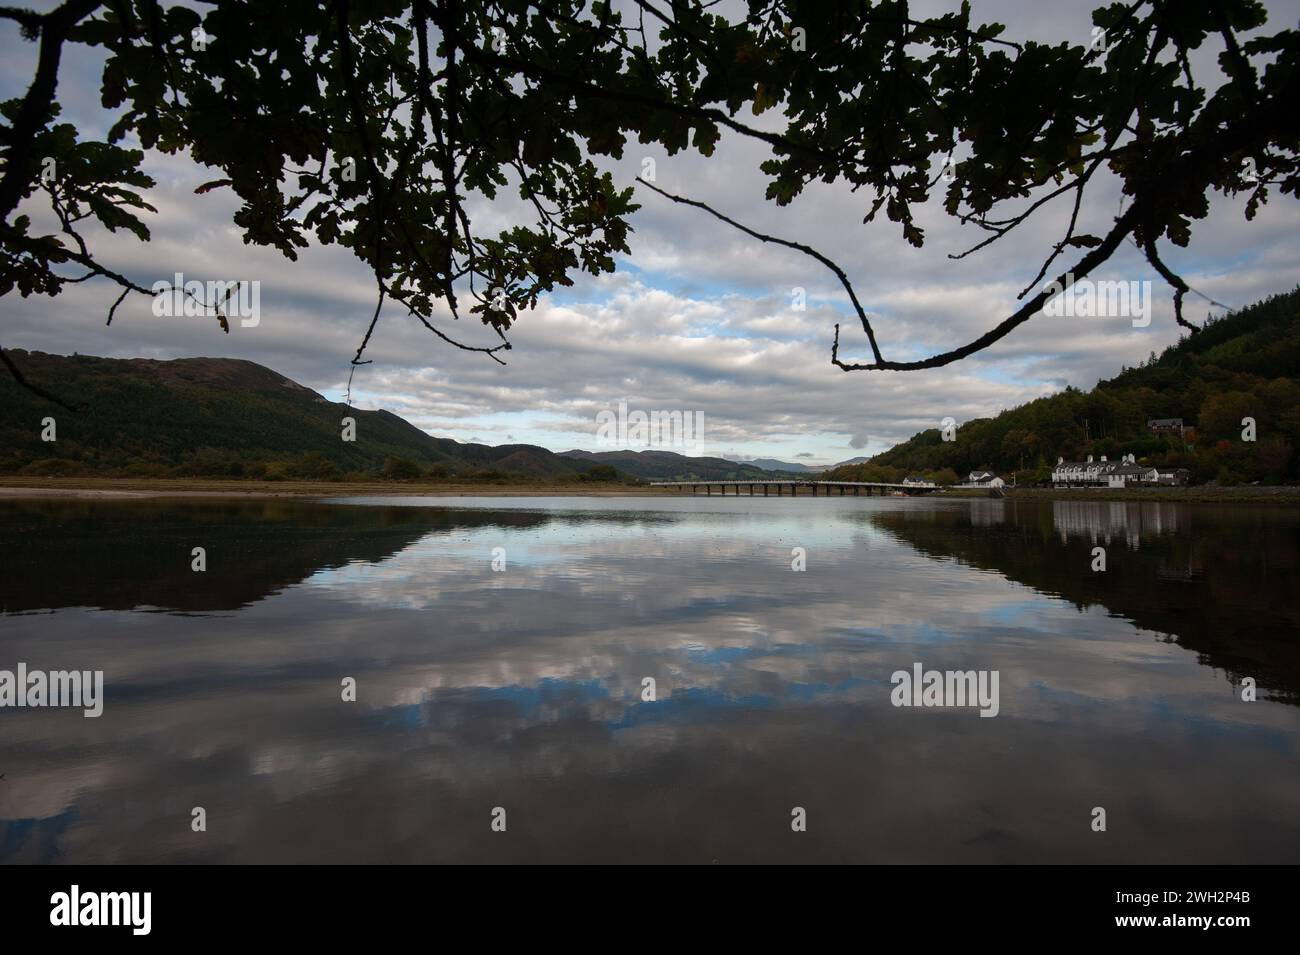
(379, 125)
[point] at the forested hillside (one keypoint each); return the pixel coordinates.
(1245, 364)
(223, 417)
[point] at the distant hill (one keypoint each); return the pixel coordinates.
(1245, 364)
(784, 467)
(222, 417)
(226, 417)
(670, 466)
(788, 467)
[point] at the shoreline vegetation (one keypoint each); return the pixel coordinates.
(31, 488)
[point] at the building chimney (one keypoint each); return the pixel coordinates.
(1090, 459)
(1060, 461)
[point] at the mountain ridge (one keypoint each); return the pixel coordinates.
(231, 417)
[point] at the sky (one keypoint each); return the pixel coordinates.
(698, 318)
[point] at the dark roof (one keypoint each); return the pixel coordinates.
(1107, 467)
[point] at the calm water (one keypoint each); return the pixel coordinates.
(522, 688)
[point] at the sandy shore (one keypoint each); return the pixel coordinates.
(109, 488)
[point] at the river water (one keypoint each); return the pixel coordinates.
(652, 680)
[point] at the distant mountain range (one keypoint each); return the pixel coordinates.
(670, 466)
(226, 417)
(789, 467)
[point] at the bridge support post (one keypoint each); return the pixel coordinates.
(793, 490)
(765, 490)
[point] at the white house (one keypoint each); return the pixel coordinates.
(1124, 474)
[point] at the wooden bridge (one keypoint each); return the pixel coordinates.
(857, 487)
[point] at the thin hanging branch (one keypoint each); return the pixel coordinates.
(1123, 226)
(797, 246)
(36, 389)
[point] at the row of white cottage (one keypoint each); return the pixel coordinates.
(1089, 473)
(1105, 473)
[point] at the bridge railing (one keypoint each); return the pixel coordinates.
(793, 481)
